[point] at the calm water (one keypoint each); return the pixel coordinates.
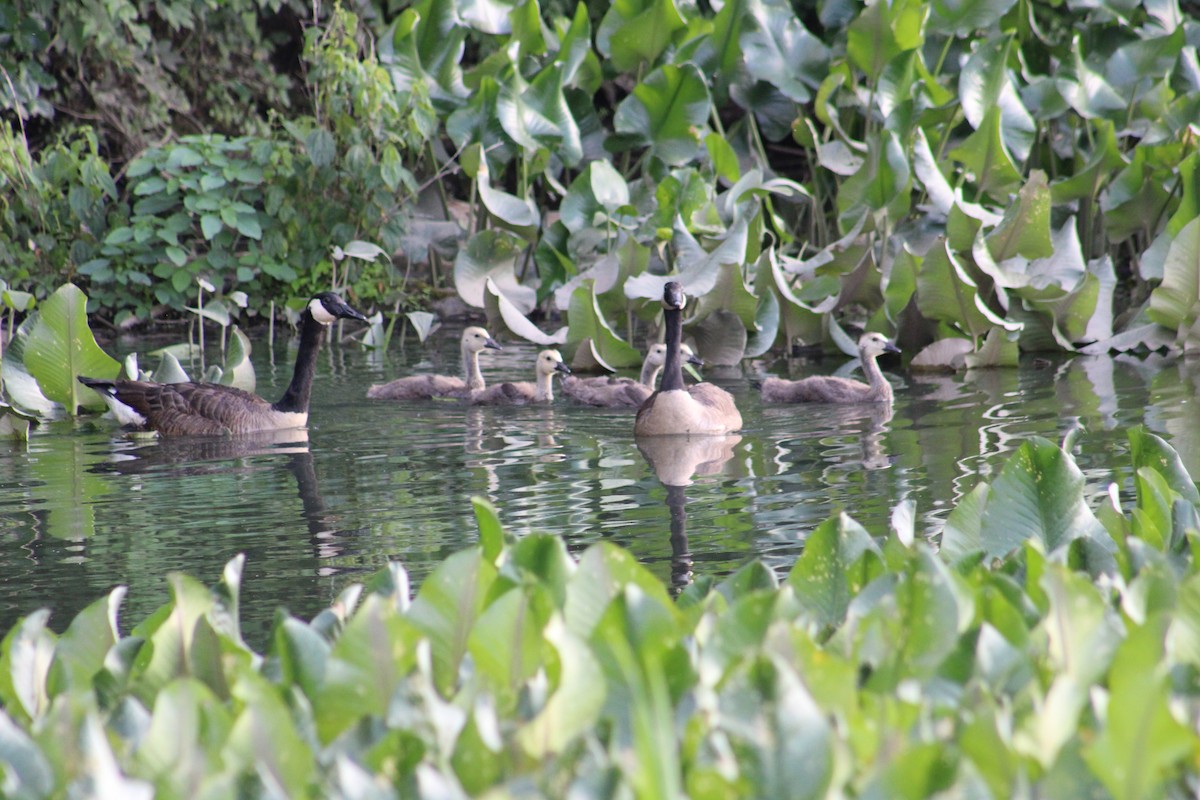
(84, 508)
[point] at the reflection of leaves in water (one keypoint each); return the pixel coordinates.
(66, 489)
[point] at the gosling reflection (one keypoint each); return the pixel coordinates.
(676, 460)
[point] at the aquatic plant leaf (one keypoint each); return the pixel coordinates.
(985, 84)
(587, 323)
(883, 181)
(171, 634)
(25, 662)
(766, 326)
(177, 748)
(823, 577)
(170, 370)
(497, 300)
(1037, 495)
(986, 156)
(27, 773)
(446, 608)
(506, 644)
(635, 33)
(962, 17)
(491, 532)
(1025, 229)
(720, 339)
(698, 268)
(423, 323)
(1089, 93)
(1175, 303)
(880, 33)
(667, 112)
(303, 654)
(238, 370)
(999, 349)
(946, 292)
(60, 348)
(15, 423)
(598, 191)
(102, 777)
(1141, 740)
(575, 705)
(544, 557)
(518, 213)
(18, 384)
(603, 570)
(1151, 451)
(491, 254)
(944, 354)
(81, 650)
(782, 52)
(264, 739)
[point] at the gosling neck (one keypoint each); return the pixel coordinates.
(471, 372)
(672, 379)
(649, 374)
(879, 384)
(544, 388)
(299, 391)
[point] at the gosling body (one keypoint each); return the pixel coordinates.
(675, 408)
(831, 389)
(427, 387)
(615, 392)
(541, 390)
(210, 409)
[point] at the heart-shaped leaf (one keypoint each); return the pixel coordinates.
(61, 348)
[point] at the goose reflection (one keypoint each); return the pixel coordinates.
(206, 455)
(676, 460)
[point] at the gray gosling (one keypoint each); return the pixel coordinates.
(675, 408)
(608, 391)
(513, 394)
(210, 409)
(425, 387)
(830, 389)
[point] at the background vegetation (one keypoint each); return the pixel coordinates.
(982, 175)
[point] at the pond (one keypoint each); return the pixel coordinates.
(84, 508)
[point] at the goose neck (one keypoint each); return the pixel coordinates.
(672, 379)
(471, 371)
(299, 391)
(649, 374)
(878, 383)
(544, 391)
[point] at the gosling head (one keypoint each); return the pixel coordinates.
(550, 362)
(657, 355)
(873, 344)
(673, 297)
(327, 306)
(475, 339)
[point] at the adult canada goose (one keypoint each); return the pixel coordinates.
(542, 391)
(612, 392)
(424, 387)
(182, 409)
(830, 389)
(675, 408)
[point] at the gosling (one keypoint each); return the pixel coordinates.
(830, 389)
(426, 387)
(513, 394)
(613, 392)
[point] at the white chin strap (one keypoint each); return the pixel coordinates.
(319, 312)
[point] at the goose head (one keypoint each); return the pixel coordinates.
(327, 306)
(550, 362)
(476, 339)
(872, 344)
(673, 297)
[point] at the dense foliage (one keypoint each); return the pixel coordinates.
(1046, 649)
(984, 175)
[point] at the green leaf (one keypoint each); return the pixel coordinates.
(1038, 495)
(587, 324)
(321, 148)
(449, 603)
(1175, 303)
(667, 112)
(633, 33)
(210, 225)
(946, 292)
(986, 156)
(824, 578)
(83, 646)
(27, 772)
(61, 348)
(985, 83)
(491, 254)
(783, 53)
(960, 18)
(1025, 229)
(574, 707)
(491, 532)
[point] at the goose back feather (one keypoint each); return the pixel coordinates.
(208, 409)
(425, 387)
(832, 389)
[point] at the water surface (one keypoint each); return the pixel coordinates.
(84, 508)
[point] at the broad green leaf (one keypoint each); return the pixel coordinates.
(604, 571)
(1087, 90)
(1175, 303)
(446, 608)
(574, 707)
(824, 578)
(667, 112)
(506, 643)
(1025, 229)
(179, 747)
(985, 84)
(986, 157)
(962, 17)
(1150, 451)
(497, 302)
(61, 348)
(946, 292)
(1142, 743)
(1037, 495)
(633, 33)
(999, 349)
(491, 532)
(699, 269)
(303, 654)
(587, 323)
(883, 181)
(782, 52)
(514, 212)
(491, 255)
(26, 657)
(487, 16)
(27, 772)
(597, 193)
(238, 370)
(171, 635)
(264, 739)
(81, 650)
(882, 31)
